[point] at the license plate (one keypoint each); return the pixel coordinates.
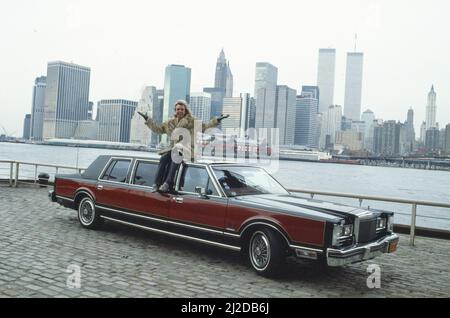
(392, 247)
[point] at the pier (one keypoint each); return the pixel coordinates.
(40, 240)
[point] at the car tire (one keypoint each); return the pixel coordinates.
(88, 215)
(265, 251)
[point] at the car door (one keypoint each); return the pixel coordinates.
(203, 213)
(141, 197)
(112, 186)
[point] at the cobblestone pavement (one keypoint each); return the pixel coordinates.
(39, 240)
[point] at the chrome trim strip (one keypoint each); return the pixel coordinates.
(178, 176)
(306, 248)
(235, 248)
(104, 169)
(197, 195)
(164, 221)
(65, 198)
(107, 166)
(345, 237)
(356, 228)
(85, 192)
(195, 227)
(131, 214)
(268, 224)
(133, 171)
(211, 177)
(231, 234)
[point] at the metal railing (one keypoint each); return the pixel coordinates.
(14, 170)
(413, 203)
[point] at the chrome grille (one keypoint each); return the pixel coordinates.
(367, 230)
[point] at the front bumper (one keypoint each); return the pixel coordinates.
(387, 244)
(52, 195)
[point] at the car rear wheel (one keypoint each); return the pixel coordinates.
(87, 214)
(265, 252)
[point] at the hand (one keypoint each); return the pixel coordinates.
(143, 115)
(219, 119)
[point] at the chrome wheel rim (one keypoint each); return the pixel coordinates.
(86, 212)
(260, 250)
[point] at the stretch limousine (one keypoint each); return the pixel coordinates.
(234, 206)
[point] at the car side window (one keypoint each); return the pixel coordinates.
(145, 173)
(196, 177)
(117, 171)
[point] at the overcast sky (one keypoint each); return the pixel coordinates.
(128, 44)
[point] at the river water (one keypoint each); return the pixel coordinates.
(402, 183)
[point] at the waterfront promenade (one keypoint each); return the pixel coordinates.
(39, 240)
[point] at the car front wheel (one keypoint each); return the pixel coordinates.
(265, 252)
(87, 214)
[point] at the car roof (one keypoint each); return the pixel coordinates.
(202, 161)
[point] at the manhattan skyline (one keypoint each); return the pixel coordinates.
(401, 60)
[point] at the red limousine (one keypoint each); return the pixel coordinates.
(239, 207)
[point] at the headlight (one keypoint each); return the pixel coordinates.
(390, 223)
(381, 223)
(348, 230)
(341, 232)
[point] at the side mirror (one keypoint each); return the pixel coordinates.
(201, 192)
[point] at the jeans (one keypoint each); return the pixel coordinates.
(166, 170)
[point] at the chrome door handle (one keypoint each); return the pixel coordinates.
(178, 200)
(100, 187)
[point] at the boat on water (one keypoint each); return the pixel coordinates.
(343, 161)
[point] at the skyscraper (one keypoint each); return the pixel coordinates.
(447, 139)
(139, 132)
(87, 130)
(387, 138)
(66, 99)
(285, 114)
(353, 85)
(177, 85)
(247, 111)
(114, 116)
(265, 95)
(217, 95)
(432, 139)
(430, 121)
(90, 111)
(26, 127)
(37, 108)
(232, 106)
(423, 130)
(241, 110)
(368, 117)
(306, 119)
(351, 140)
(325, 78)
(410, 135)
(224, 77)
(200, 105)
(331, 123)
(315, 91)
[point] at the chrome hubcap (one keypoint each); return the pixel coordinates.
(86, 212)
(260, 250)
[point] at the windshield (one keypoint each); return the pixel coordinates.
(237, 181)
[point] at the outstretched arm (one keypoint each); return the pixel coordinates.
(155, 127)
(212, 123)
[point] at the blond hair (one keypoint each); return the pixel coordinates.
(185, 104)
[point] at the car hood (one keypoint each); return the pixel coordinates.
(299, 206)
